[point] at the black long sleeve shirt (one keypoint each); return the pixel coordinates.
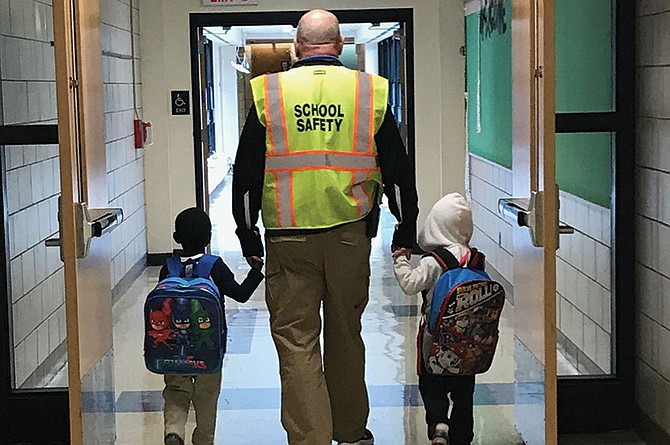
(248, 176)
(224, 279)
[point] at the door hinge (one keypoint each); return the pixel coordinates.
(73, 83)
(538, 72)
(204, 136)
(201, 45)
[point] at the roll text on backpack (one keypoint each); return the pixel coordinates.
(185, 327)
(460, 334)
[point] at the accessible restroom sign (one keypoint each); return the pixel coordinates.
(229, 2)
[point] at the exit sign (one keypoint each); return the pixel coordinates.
(229, 2)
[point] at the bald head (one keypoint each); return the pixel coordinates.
(318, 34)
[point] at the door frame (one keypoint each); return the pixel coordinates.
(22, 416)
(605, 401)
(201, 20)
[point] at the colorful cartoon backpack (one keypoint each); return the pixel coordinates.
(185, 326)
(460, 335)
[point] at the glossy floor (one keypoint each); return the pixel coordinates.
(249, 402)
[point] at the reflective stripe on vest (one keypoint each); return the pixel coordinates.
(283, 160)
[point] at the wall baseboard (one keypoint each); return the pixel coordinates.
(577, 357)
(128, 279)
(649, 430)
(497, 276)
(157, 259)
(46, 370)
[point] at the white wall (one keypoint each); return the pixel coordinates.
(372, 58)
(653, 211)
(227, 102)
(125, 164)
(439, 87)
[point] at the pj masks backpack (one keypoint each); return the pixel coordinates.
(185, 326)
(460, 335)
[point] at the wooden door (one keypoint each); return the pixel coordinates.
(79, 86)
(534, 178)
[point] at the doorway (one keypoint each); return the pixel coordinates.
(227, 50)
(231, 56)
(594, 126)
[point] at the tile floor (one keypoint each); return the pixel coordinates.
(250, 390)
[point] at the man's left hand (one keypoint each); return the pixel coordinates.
(401, 251)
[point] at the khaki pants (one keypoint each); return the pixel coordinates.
(203, 391)
(321, 399)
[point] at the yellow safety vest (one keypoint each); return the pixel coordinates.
(321, 166)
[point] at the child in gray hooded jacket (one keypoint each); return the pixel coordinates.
(448, 226)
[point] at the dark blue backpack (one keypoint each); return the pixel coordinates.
(460, 335)
(185, 326)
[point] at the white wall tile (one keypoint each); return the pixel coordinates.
(25, 194)
(4, 17)
(54, 338)
(11, 49)
(21, 373)
(662, 364)
(29, 154)
(16, 279)
(646, 7)
(36, 183)
(590, 338)
(31, 352)
(28, 270)
(19, 233)
(603, 349)
(606, 297)
(43, 342)
(603, 257)
(16, 19)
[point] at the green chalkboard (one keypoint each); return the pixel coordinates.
(583, 84)
(489, 84)
(584, 165)
(584, 60)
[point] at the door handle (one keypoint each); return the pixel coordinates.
(527, 212)
(52, 242)
(91, 223)
(94, 223)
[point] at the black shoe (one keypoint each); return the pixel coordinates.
(173, 439)
(367, 439)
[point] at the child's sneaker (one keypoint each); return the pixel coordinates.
(173, 439)
(441, 436)
(368, 439)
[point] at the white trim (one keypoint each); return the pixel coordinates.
(483, 159)
(247, 211)
(472, 6)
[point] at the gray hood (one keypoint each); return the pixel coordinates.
(449, 224)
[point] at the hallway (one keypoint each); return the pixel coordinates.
(250, 391)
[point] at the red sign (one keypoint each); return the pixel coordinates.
(229, 2)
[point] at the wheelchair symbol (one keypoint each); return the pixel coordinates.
(179, 102)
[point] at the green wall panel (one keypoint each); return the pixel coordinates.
(584, 165)
(583, 84)
(584, 56)
(489, 83)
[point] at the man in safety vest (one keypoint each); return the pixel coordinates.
(318, 148)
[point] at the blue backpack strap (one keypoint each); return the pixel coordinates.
(174, 266)
(203, 268)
